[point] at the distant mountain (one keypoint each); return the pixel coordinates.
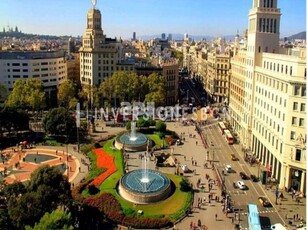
(180, 37)
(301, 35)
(31, 36)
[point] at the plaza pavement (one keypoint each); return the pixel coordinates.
(185, 153)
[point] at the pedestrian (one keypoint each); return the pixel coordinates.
(185, 158)
(216, 217)
(232, 220)
(196, 142)
(195, 163)
(297, 217)
(294, 217)
(286, 216)
(192, 162)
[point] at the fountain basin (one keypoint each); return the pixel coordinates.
(138, 143)
(154, 188)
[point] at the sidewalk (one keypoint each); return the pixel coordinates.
(195, 152)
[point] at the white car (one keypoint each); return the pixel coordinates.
(241, 185)
(185, 168)
(228, 168)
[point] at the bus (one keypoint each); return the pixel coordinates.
(228, 137)
(253, 217)
(222, 127)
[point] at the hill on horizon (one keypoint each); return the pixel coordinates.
(301, 35)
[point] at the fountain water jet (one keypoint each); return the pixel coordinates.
(133, 136)
(144, 185)
(132, 141)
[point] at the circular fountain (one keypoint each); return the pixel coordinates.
(144, 188)
(132, 141)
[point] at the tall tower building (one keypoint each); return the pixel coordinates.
(263, 36)
(170, 37)
(134, 36)
(268, 98)
(99, 56)
(163, 36)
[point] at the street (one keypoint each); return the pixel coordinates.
(221, 152)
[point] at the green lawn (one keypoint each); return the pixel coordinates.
(158, 141)
(173, 207)
(110, 183)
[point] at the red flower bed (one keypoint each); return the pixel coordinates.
(104, 161)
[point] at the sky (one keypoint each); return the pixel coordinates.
(120, 18)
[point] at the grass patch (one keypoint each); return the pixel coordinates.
(158, 141)
(95, 170)
(173, 208)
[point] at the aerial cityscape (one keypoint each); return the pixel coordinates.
(138, 116)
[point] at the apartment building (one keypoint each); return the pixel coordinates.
(49, 67)
(268, 98)
(218, 77)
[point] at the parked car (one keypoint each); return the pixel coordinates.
(243, 176)
(264, 201)
(185, 168)
(254, 178)
(240, 184)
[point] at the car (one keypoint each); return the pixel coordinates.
(233, 157)
(228, 168)
(240, 184)
(278, 226)
(185, 168)
(264, 201)
(254, 178)
(243, 176)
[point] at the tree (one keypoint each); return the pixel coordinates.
(47, 190)
(66, 94)
(58, 121)
(2, 92)
(14, 190)
(157, 93)
(12, 119)
(27, 94)
(58, 219)
(4, 219)
(26, 210)
(161, 126)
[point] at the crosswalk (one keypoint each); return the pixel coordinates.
(260, 212)
(237, 192)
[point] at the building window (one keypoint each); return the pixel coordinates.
(302, 122)
(294, 120)
(295, 106)
(304, 91)
(303, 107)
(298, 154)
(292, 135)
(296, 90)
